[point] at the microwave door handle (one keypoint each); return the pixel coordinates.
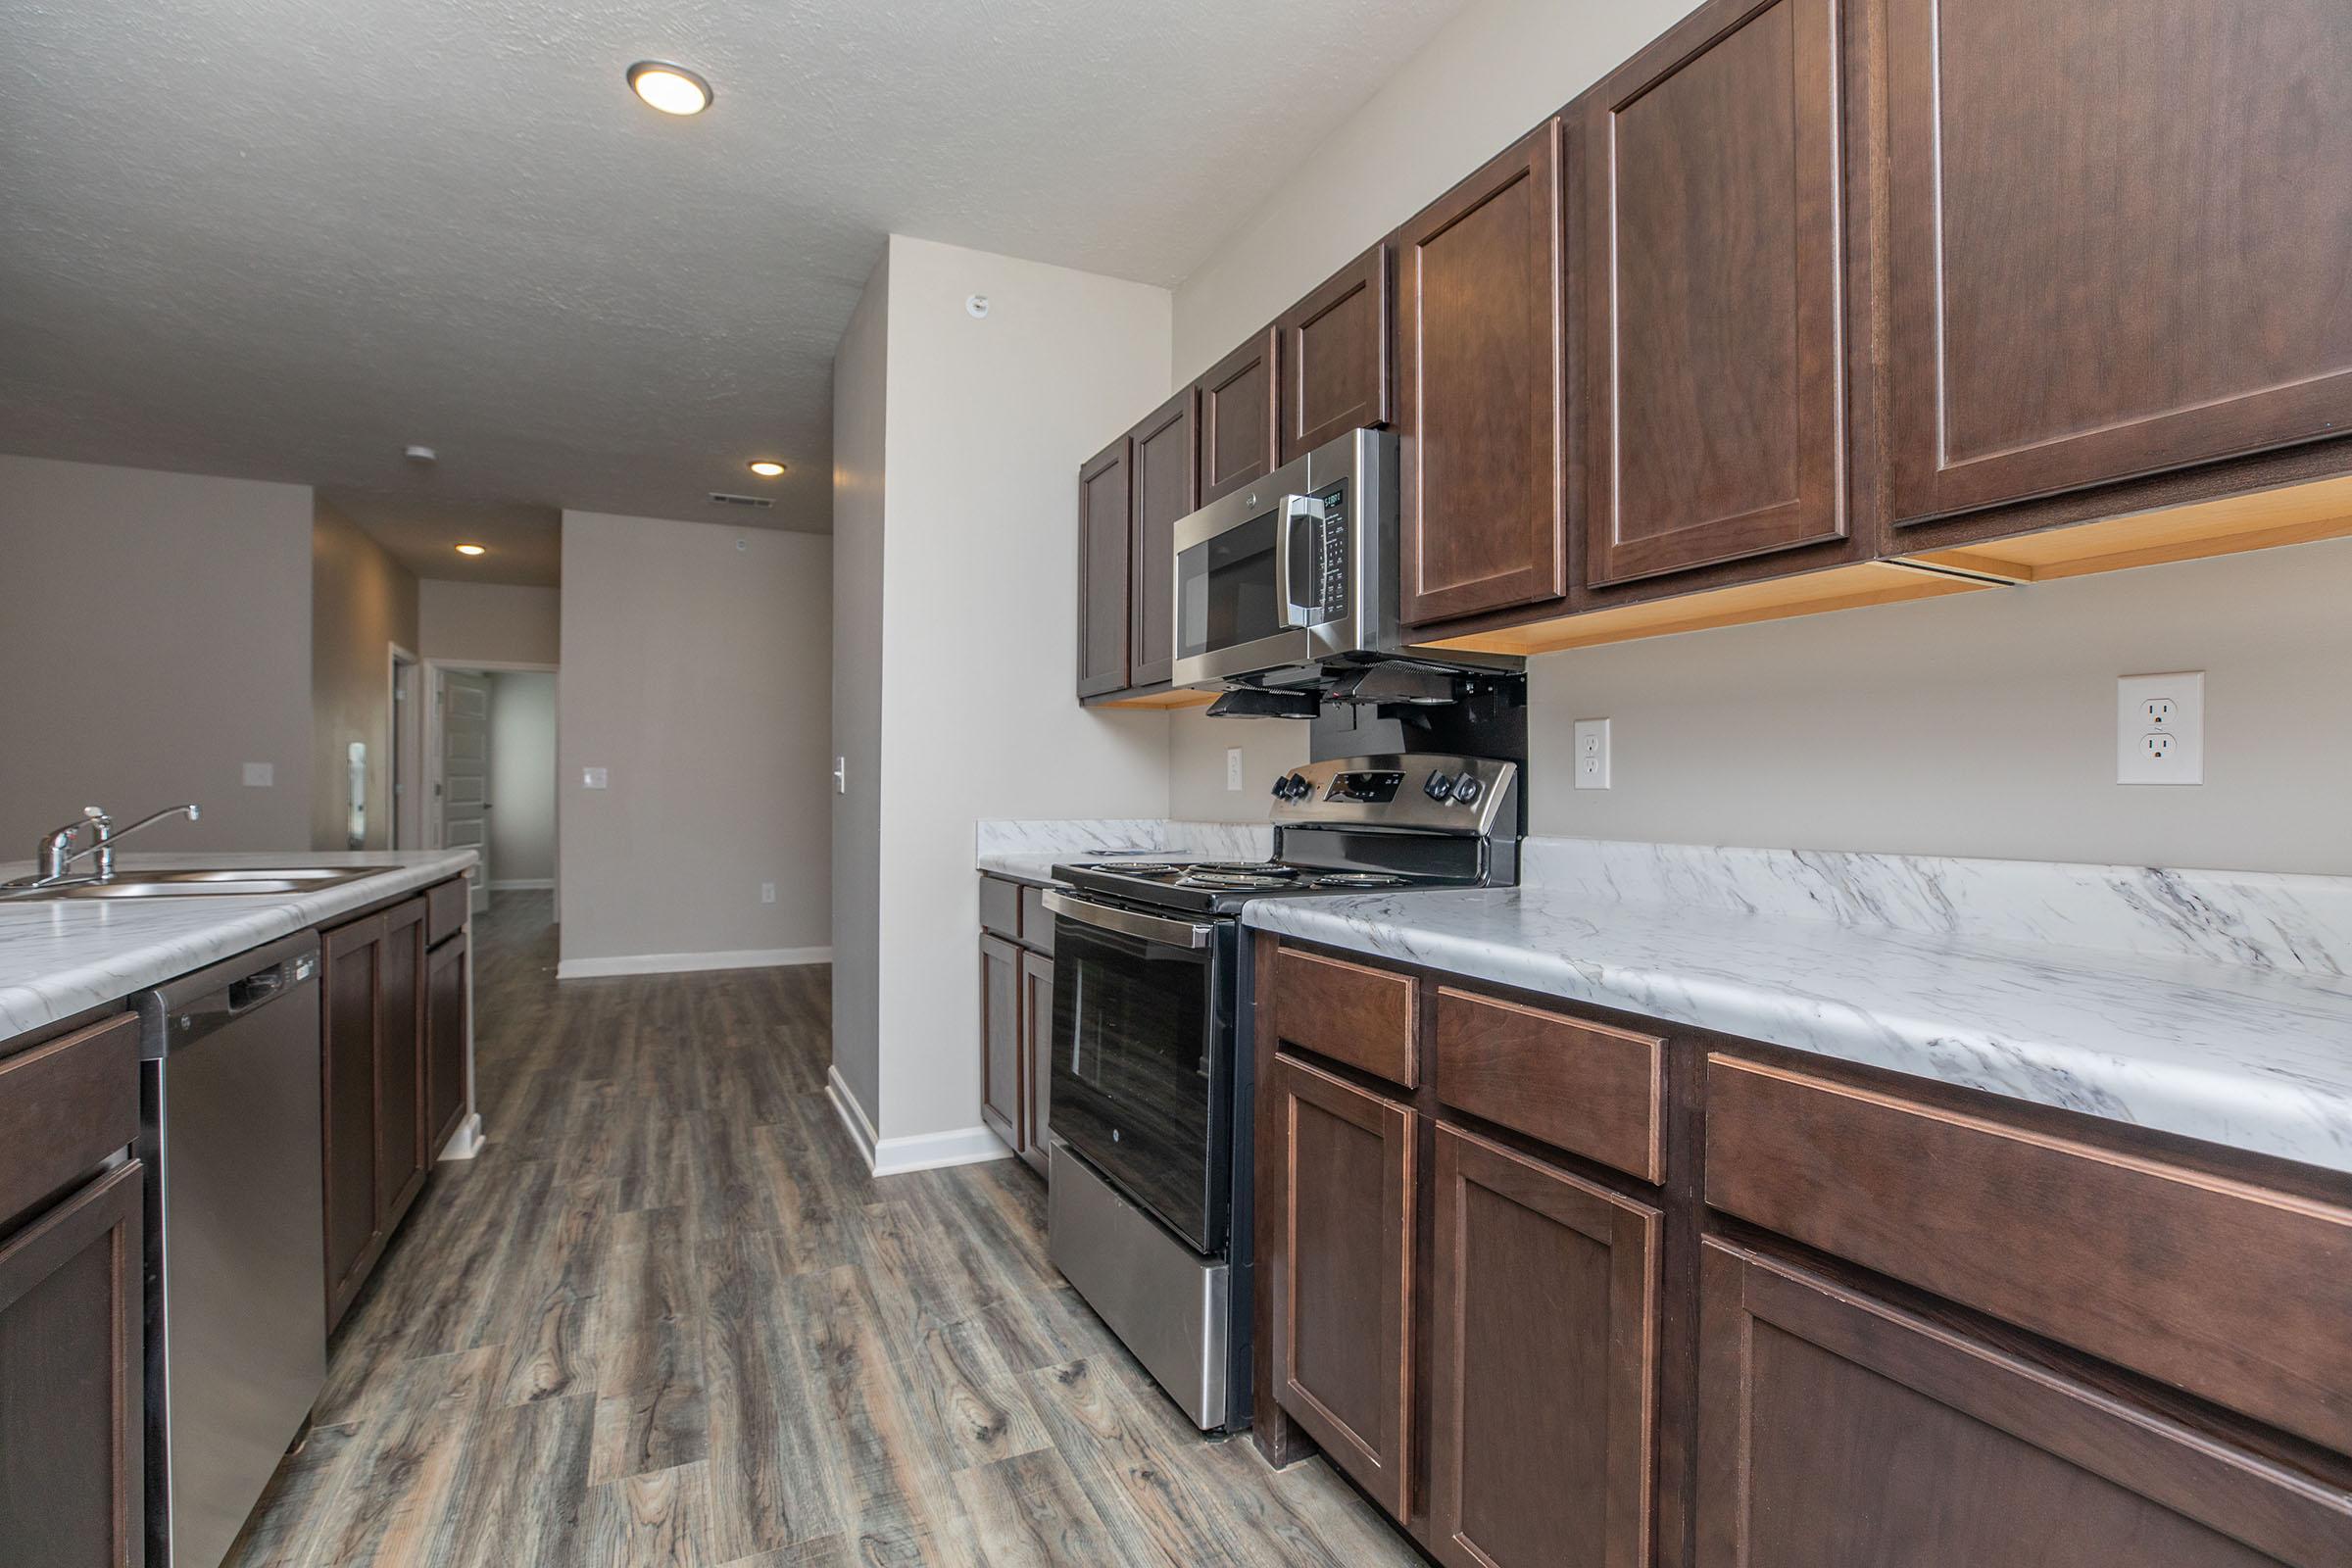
(1297, 510)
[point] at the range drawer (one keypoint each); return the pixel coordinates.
(2227, 1290)
(65, 1106)
(1585, 1087)
(1350, 1013)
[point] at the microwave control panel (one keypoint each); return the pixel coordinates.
(1331, 552)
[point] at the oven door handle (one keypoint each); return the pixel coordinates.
(1149, 927)
(1295, 510)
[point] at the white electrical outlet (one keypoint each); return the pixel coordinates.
(1592, 754)
(2160, 728)
(594, 778)
(768, 893)
(1233, 767)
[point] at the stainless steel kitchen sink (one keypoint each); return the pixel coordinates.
(239, 881)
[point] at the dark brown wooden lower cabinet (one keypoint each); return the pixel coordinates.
(1543, 1365)
(372, 1084)
(401, 1130)
(1838, 1432)
(1344, 1322)
(445, 1054)
(71, 1382)
(1037, 1053)
(1001, 1045)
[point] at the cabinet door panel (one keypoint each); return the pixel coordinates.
(71, 1382)
(1335, 350)
(1237, 418)
(1838, 1432)
(445, 1041)
(1105, 511)
(1001, 1043)
(1544, 1348)
(1037, 1053)
(352, 959)
(2116, 238)
(1481, 391)
(400, 1128)
(1343, 1353)
(1715, 370)
(1167, 486)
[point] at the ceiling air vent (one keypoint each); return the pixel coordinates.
(725, 500)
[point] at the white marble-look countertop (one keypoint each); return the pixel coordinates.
(59, 957)
(1028, 852)
(2255, 1054)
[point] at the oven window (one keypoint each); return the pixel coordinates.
(1225, 589)
(1141, 1061)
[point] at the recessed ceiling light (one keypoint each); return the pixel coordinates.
(766, 469)
(672, 89)
(473, 550)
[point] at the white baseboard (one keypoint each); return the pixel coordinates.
(965, 1146)
(467, 1141)
(545, 884)
(895, 1157)
(853, 1116)
(690, 962)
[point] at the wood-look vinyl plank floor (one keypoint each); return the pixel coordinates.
(666, 1320)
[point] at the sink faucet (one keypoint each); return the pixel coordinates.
(61, 846)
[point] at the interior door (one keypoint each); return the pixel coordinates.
(465, 772)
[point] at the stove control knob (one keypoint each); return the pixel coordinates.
(1467, 789)
(1440, 785)
(1294, 787)
(1282, 788)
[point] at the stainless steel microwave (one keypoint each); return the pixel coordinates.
(1293, 571)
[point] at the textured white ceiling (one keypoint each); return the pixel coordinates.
(283, 239)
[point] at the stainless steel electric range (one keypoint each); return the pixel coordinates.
(1148, 1212)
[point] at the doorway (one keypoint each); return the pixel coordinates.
(492, 758)
(407, 752)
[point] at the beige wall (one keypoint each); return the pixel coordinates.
(978, 621)
(1982, 724)
(522, 778)
(361, 603)
(156, 637)
(492, 621)
(696, 669)
(859, 410)
(1196, 792)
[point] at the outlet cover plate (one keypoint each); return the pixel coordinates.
(2160, 728)
(1592, 754)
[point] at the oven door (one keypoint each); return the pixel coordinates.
(1143, 1058)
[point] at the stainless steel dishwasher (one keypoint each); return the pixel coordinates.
(237, 1270)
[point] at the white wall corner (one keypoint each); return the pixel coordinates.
(853, 1114)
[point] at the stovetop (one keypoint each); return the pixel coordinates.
(1222, 887)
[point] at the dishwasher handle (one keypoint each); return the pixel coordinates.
(177, 1015)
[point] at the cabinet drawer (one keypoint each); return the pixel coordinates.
(1590, 1089)
(64, 1108)
(1347, 1012)
(1037, 921)
(446, 906)
(2233, 1292)
(1000, 908)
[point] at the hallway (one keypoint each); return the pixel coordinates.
(665, 1318)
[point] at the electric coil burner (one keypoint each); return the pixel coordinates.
(1149, 1213)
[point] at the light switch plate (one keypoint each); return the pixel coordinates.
(2160, 728)
(261, 776)
(1592, 754)
(594, 778)
(1233, 767)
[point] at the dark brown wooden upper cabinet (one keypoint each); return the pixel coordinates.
(1714, 366)
(1335, 348)
(1237, 418)
(1482, 391)
(2115, 239)
(1167, 486)
(1105, 510)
